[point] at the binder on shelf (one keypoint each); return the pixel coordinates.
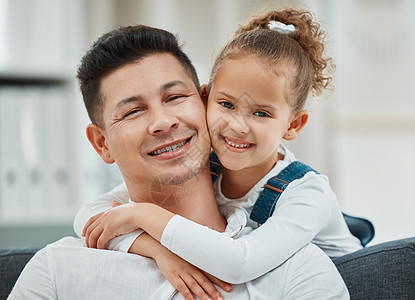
(40, 44)
(12, 168)
(58, 159)
(32, 115)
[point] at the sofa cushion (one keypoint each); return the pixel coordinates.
(383, 271)
(12, 262)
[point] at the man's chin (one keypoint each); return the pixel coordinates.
(179, 175)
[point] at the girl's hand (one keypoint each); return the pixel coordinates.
(109, 224)
(188, 279)
(115, 203)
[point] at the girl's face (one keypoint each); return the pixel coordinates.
(248, 114)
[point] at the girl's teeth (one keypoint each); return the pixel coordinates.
(237, 145)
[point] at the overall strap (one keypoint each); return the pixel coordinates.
(265, 205)
(215, 166)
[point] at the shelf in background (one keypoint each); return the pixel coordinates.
(41, 217)
(22, 75)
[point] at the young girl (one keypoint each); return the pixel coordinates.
(258, 88)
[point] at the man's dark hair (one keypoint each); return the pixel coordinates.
(117, 48)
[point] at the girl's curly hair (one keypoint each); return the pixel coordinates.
(300, 57)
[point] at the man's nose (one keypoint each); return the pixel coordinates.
(162, 121)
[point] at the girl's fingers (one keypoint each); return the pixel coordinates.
(181, 286)
(207, 285)
(195, 287)
(222, 284)
(90, 221)
(115, 203)
(94, 235)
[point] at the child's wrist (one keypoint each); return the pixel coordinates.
(152, 218)
(159, 252)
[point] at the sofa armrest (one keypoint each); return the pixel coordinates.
(12, 262)
(382, 271)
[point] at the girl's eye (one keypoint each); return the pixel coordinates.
(261, 114)
(226, 104)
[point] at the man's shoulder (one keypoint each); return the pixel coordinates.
(68, 241)
(311, 266)
(311, 260)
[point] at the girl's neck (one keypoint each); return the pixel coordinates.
(236, 184)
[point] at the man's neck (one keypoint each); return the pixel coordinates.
(194, 199)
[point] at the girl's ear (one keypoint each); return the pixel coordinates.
(204, 94)
(96, 136)
(296, 125)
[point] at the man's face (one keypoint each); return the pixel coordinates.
(155, 123)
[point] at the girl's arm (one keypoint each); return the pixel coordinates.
(101, 204)
(181, 274)
(302, 211)
(186, 278)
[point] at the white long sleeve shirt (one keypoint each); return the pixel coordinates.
(307, 211)
(67, 269)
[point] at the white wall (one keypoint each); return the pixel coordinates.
(368, 123)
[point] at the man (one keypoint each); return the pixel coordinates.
(142, 95)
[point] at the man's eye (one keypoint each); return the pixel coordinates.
(226, 104)
(261, 114)
(175, 97)
(132, 112)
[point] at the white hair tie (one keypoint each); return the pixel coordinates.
(282, 28)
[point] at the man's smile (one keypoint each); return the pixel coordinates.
(172, 147)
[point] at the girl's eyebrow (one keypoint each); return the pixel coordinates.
(251, 103)
(264, 106)
(226, 95)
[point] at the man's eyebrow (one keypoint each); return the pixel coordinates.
(171, 84)
(163, 88)
(128, 100)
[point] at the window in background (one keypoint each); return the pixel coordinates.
(371, 119)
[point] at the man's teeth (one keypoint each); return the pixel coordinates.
(169, 148)
(237, 145)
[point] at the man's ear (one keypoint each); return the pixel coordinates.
(97, 138)
(204, 94)
(296, 125)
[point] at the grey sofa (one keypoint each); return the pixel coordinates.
(383, 271)
(12, 262)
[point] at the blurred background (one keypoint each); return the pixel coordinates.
(362, 135)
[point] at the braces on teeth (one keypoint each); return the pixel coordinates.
(169, 148)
